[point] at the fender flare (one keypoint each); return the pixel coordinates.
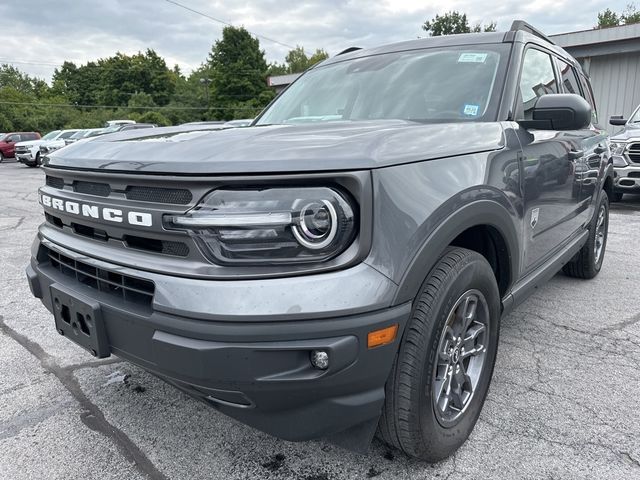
(477, 213)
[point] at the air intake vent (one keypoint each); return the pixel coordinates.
(166, 247)
(55, 182)
(130, 289)
(159, 195)
(90, 188)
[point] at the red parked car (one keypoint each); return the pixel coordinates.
(8, 142)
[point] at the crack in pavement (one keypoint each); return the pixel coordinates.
(91, 414)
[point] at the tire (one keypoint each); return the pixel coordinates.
(1, 157)
(38, 160)
(588, 261)
(409, 420)
(617, 197)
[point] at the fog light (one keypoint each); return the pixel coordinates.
(320, 359)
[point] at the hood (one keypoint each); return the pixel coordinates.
(630, 131)
(30, 143)
(316, 147)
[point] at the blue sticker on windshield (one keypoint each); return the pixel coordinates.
(471, 110)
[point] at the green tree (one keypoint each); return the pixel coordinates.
(238, 72)
(607, 18)
(453, 22)
(630, 15)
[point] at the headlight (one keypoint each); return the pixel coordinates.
(617, 148)
(272, 226)
(619, 161)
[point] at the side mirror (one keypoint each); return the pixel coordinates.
(559, 111)
(617, 120)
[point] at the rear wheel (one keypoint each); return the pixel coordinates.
(588, 261)
(442, 372)
(1, 157)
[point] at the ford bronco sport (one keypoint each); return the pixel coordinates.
(339, 267)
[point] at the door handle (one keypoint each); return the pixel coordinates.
(576, 154)
(599, 150)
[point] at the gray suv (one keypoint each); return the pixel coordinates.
(339, 267)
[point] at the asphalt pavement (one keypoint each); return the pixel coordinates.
(564, 402)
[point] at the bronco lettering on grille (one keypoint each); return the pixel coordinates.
(116, 215)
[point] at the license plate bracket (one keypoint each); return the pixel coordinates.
(79, 318)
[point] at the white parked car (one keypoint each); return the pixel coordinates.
(28, 152)
(55, 144)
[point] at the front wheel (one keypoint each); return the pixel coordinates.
(1, 157)
(442, 372)
(588, 261)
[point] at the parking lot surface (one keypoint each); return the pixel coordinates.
(564, 402)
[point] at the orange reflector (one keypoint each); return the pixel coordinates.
(382, 337)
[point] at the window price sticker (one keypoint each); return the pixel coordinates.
(472, 58)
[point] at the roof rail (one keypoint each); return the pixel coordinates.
(349, 50)
(521, 25)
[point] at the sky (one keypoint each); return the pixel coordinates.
(37, 35)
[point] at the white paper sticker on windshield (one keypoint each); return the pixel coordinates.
(472, 58)
(471, 110)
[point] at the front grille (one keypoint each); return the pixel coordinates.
(159, 195)
(130, 289)
(634, 175)
(92, 188)
(55, 182)
(166, 247)
(174, 196)
(634, 152)
(22, 150)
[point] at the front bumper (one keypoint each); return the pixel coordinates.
(25, 158)
(627, 179)
(255, 369)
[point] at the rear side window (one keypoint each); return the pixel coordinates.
(536, 79)
(569, 78)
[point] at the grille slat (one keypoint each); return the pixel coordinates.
(131, 289)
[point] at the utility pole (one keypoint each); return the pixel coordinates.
(205, 83)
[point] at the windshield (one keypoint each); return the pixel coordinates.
(67, 134)
(437, 84)
(79, 134)
(635, 117)
(51, 135)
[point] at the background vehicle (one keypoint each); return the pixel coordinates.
(625, 147)
(9, 140)
(80, 134)
(341, 266)
(113, 123)
(245, 122)
(53, 145)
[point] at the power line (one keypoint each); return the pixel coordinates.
(226, 23)
(115, 107)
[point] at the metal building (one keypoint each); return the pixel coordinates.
(611, 57)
